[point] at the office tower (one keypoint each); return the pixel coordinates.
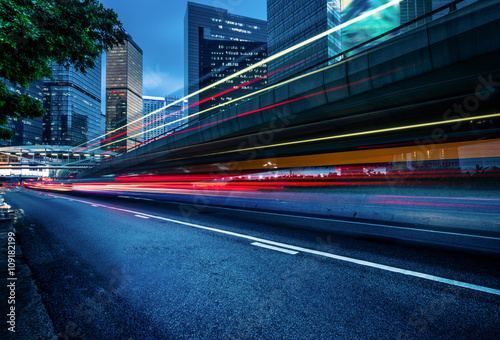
(219, 59)
(123, 95)
(292, 22)
(26, 131)
(158, 119)
(216, 44)
(73, 106)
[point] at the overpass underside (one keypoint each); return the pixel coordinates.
(435, 85)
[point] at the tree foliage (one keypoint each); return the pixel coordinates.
(36, 33)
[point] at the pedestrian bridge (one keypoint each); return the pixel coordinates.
(37, 161)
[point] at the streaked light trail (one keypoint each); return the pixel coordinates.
(354, 134)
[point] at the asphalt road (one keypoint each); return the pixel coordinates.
(136, 269)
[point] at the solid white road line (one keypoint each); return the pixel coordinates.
(275, 248)
(141, 216)
(315, 252)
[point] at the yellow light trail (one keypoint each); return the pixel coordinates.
(262, 62)
(353, 134)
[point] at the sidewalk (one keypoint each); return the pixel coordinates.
(28, 316)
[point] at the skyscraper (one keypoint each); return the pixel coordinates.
(217, 44)
(291, 22)
(26, 131)
(163, 119)
(73, 106)
(219, 59)
(123, 94)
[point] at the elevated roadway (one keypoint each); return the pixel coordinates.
(438, 75)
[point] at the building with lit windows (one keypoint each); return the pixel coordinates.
(26, 131)
(218, 43)
(123, 95)
(221, 59)
(73, 106)
(158, 119)
(292, 22)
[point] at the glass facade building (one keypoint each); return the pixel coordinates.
(163, 119)
(73, 106)
(123, 95)
(291, 22)
(26, 131)
(217, 43)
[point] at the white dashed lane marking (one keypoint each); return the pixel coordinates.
(275, 248)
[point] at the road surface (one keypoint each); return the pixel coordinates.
(112, 268)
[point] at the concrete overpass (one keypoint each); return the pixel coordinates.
(445, 70)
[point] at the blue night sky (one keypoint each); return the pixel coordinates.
(157, 26)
